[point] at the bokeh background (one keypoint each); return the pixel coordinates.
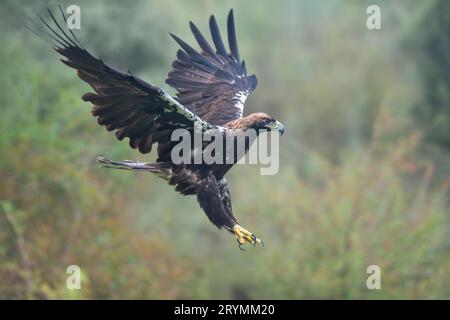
(364, 174)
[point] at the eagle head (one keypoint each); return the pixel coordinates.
(262, 121)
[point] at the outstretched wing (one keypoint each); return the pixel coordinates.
(213, 84)
(122, 102)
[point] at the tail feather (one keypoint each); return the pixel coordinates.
(128, 165)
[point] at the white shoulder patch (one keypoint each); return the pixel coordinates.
(239, 100)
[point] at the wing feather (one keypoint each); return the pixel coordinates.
(123, 102)
(201, 39)
(232, 42)
(212, 84)
(217, 39)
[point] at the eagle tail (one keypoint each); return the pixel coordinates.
(160, 168)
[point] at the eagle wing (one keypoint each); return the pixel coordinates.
(213, 84)
(123, 102)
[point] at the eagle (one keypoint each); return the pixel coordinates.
(212, 86)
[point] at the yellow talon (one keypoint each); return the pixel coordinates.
(243, 235)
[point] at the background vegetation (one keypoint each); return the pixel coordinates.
(364, 175)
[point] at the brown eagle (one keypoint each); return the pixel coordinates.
(212, 86)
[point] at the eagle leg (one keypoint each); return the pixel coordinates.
(243, 236)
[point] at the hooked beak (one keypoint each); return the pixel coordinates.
(280, 128)
(277, 126)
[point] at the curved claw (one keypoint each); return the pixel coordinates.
(262, 243)
(240, 245)
(254, 240)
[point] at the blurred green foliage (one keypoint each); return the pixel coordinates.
(429, 42)
(358, 184)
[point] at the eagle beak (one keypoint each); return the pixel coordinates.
(280, 128)
(276, 126)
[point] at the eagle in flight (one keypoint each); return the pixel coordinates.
(212, 85)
